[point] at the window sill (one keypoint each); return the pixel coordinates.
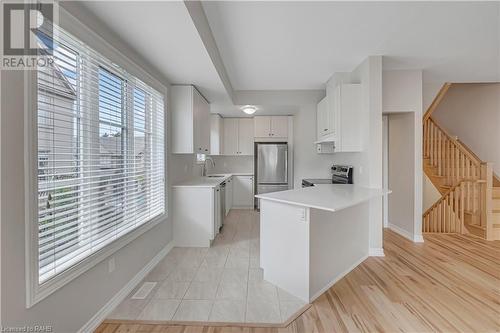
(38, 292)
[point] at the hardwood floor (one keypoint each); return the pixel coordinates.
(451, 283)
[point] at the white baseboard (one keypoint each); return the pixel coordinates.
(418, 238)
(337, 278)
(400, 231)
(242, 207)
(376, 252)
(97, 319)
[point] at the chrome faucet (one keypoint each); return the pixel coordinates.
(204, 167)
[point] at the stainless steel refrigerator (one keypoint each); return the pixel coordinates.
(271, 167)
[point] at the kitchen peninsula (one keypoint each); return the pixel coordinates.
(311, 237)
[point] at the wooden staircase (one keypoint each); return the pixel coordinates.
(469, 203)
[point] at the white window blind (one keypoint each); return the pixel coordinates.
(100, 155)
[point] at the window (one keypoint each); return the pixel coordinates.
(100, 156)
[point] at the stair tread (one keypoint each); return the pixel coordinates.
(476, 226)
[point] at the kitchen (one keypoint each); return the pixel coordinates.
(244, 166)
(250, 164)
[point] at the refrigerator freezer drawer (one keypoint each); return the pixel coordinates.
(271, 188)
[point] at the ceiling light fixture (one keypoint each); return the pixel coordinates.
(249, 109)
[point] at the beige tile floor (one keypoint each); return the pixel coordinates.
(221, 284)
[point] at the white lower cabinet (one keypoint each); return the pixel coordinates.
(229, 194)
(243, 191)
(197, 215)
(218, 214)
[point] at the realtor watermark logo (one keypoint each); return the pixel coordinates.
(27, 329)
(28, 34)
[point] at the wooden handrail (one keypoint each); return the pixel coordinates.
(466, 150)
(439, 97)
(452, 160)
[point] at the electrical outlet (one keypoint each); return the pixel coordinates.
(111, 265)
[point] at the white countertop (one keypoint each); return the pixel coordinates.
(325, 197)
(210, 181)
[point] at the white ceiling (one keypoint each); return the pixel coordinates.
(290, 45)
(298, 45)
(164, 34)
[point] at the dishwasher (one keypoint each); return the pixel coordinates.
(222, 205)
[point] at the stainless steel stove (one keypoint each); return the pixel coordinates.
(341, 174)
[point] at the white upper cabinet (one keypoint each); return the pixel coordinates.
(230, 146)
(350, 113)
(245, 136)
(271, 126)
(262, 126)
(238, 136)
(339, 117)
(216, 134)
(190, 121)
(321, 118)
(279, 126)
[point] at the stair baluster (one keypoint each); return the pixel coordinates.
(464, 181)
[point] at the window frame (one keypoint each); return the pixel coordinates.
(35, 292)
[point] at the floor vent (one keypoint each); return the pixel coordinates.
(144, 290)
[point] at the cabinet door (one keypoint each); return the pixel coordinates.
(321, 118)
(201, 114)
(216, 134)
(243, 191)
(279, 126)
(245, 136)
(262, 126)
(350, 111)
(181, 99)
(230, 145)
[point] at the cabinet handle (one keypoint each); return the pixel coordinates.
(206, 149)
(326, 129)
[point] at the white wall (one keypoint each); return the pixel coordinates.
(403, 93)
(70, 307)
(430, 193)
(472, 112)
(401, 171)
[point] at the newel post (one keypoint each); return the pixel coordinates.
(487, 198)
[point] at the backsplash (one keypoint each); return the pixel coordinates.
(229, 164)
